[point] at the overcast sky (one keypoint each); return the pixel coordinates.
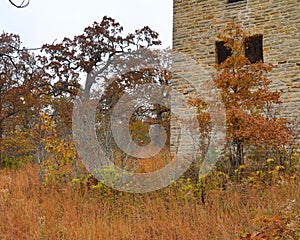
(43, 21)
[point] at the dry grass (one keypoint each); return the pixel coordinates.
(144, 165)
(29, 211)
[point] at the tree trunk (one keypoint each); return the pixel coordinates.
(236, 155)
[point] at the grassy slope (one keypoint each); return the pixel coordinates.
(29, 211)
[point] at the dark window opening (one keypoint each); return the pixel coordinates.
(222, 52)
(233, 1)
(254, 48)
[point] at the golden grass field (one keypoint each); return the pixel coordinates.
(29, 210)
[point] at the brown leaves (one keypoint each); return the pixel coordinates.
(249, 102)
(97, 45)
(22, 79)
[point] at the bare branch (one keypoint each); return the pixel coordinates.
(24, 4)
(2, 55)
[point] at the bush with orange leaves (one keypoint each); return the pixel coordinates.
(251, 119)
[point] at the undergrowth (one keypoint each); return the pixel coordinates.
(218, 207)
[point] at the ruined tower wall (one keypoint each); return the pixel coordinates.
(197, 23)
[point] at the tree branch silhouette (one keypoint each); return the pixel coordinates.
(24, 4)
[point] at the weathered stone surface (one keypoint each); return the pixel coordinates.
(197, 22)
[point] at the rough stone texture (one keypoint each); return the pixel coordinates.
(197, 22)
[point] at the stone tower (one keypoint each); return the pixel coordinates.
(274, 27)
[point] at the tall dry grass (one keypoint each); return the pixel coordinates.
(30, 211)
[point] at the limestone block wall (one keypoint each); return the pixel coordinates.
(197, 22)
(196, 25)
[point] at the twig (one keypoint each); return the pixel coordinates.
(24, 4)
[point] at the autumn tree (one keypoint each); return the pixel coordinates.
(96, 48)
(102, 54)
(145, 113)
(27, 89)
(103, 50)
(250, 103)
(23, 81)
(31, 85)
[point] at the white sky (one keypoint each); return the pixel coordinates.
(43, 21)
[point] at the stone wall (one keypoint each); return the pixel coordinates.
(197, 22)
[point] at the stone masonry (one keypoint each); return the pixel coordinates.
(196, 25)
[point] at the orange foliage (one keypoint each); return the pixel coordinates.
(249, 102)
